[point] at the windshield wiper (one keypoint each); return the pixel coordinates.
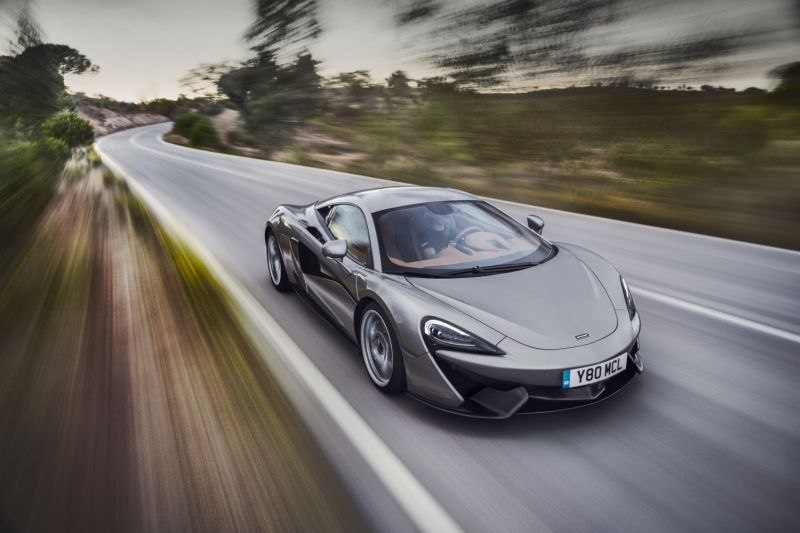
(477, 269)
(416, 274)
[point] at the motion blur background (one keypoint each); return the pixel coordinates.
(681, 114)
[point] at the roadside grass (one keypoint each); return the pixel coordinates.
(130, 398)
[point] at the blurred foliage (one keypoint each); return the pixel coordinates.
(237, 138)
(32, 85)
(184, 123)
(92, 157)
(630, 140)
(162, 106)
(36, 131)
(28, 170)
(202, 80)
(68, 127)
(198, 129)
(716, 161)
(788, 76)
(274, 98)
(32, 77)
(167, 107)
(516, 43)
(203, 133)
(279, 24)
(398, 84)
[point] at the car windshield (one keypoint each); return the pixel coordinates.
(455, 237)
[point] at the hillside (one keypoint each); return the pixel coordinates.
(105, 121)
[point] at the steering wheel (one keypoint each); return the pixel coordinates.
(462, 235)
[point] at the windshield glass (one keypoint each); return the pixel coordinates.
(438, 238)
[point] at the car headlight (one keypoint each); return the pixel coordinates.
(628, 298)
(439, 334)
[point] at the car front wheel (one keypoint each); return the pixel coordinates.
(381, 351)
(277, 273)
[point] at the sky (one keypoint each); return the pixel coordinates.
(144, 47)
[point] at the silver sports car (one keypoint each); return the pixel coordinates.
(456, 303)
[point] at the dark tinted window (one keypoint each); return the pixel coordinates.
(440, 237)
(347, 222)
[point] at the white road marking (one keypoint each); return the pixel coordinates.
(415, 500)
(718, 315)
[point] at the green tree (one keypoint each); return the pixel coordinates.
(397, 83)
(788, 76)
(438, 85)
(32, 84)
(357, 84)
(272, 97)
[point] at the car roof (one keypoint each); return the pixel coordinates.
(382, 198)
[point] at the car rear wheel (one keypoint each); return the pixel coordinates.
(381, 351)
(277, 273)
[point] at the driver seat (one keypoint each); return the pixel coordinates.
(397, 237)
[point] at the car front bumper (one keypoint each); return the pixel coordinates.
(486, 396)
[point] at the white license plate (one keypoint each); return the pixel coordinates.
(578, 377)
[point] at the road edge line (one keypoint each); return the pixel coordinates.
(716, 314)
(409, 493)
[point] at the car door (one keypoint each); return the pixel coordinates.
(335, 289)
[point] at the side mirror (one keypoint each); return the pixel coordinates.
(536, 223)
(335, 249)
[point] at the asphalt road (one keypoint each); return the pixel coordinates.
(707, 439)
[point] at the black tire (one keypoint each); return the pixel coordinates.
(275, 266)
(377, 339)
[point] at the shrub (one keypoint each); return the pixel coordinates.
(68, 127)
(198, 129)
(185, 122)
(238, 138)
(204, 134)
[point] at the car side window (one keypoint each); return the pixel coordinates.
(347, 222)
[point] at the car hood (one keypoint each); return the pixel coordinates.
(548, 306)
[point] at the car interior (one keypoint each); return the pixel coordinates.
(419, 236)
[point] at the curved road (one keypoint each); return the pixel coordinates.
(707, 438)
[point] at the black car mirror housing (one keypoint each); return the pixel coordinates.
(536, 223)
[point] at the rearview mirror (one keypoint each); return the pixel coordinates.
(335, 249)
(536, 223)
